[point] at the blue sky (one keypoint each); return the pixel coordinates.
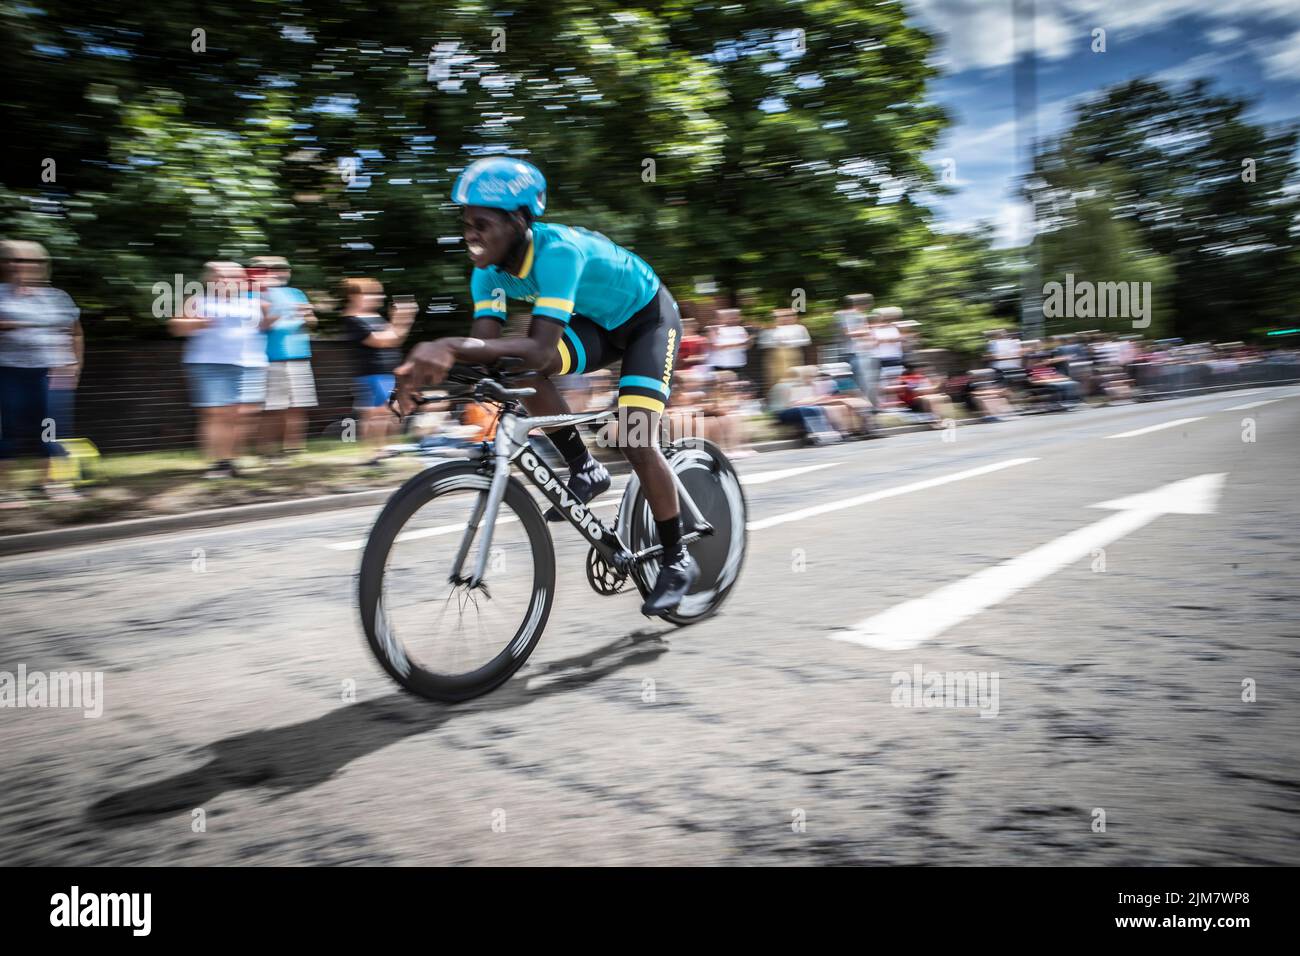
(1249, 47)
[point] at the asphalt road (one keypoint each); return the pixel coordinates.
(773, 733)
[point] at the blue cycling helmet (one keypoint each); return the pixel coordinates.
(500, 182)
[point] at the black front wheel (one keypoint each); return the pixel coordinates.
(437, 637)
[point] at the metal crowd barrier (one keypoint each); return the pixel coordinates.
(1154, 381)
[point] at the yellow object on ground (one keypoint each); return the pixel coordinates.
(78, 464)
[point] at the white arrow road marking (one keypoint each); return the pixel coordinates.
(913, 622)
(1155, 428)
(816, 510)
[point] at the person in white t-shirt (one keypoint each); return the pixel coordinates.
(856, 339)
(729, 341)
(886, 348)
(783, 344)
(225, 355)
(1004, 355)
(40, 359)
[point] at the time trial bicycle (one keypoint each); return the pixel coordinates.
(452, 606)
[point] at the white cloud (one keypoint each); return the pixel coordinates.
(1221, 35)
(981, 34)
(965, 139)
(1282, 59)
(971, 144)
(1203, 64)
(1010, 222)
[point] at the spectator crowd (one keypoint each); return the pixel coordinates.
(247, 356)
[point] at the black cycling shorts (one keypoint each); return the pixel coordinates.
(647, 343)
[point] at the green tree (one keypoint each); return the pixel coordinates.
(1103, 248)
(1177, 187)
(774, 146)
(958, 287)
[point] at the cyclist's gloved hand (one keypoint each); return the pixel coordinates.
(425, 365)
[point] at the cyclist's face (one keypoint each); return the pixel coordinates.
(489, 235)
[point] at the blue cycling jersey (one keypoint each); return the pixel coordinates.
(568, 270)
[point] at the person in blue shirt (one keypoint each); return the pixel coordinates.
(593, 303)
(288, 319)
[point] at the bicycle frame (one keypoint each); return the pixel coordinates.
(511, 446)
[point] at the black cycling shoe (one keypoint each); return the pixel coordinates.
(676, 578)
(593, 480)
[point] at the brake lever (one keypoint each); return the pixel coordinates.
(466, 374)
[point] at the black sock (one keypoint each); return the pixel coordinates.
(670, 534)
(569, 444)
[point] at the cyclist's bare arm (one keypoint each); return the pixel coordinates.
(428, 362)
(537, 350)
(486, 329)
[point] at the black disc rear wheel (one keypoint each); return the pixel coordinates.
(714, 485)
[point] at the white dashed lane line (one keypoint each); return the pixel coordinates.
(1242, 408)
(1155, 428)
(804, 513)
(759, 478)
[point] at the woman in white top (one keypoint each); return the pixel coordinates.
(225, 355)
(39, 350)
(730, 341)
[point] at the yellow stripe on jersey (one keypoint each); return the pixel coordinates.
(527, 267)
(550, 302)
(566, 362)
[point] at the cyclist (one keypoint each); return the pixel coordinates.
(594, 303)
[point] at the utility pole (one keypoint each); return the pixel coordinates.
(1023, 15)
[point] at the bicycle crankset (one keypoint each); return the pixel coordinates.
(603, 578)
